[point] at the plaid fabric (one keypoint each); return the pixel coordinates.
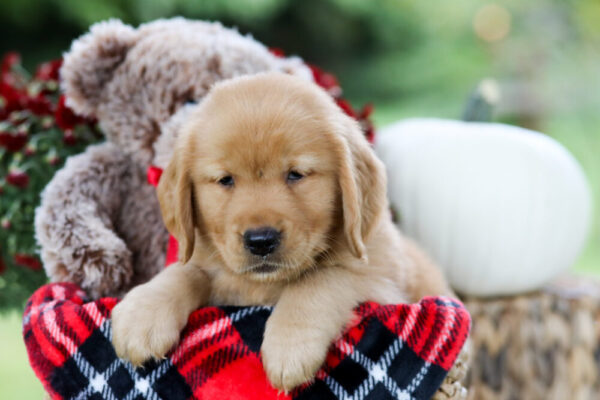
(389, 352)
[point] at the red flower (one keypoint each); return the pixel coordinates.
(13, 141)
(366, 123)
(18, 178)
(65, 117)
(69, 138)
(14, 99)
(330, 83)
(49, 71)
(369, 130)
(326, 80)
(366, 111)
(347, 108)
(362, 117)
(277, 52)
(39, 105)
(9, 60)
(27, 261)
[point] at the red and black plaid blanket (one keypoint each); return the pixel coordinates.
(389, 352)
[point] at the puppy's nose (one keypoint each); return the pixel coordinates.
(262, 241)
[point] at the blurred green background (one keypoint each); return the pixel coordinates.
(407, 57)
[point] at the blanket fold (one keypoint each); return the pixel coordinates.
(389, 352)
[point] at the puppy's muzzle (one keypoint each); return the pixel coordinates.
(262, 241)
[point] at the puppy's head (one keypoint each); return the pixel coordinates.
(268, 176)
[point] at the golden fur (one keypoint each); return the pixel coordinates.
(338, 247)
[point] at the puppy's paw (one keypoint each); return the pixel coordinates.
(291, 358)
(145, 326)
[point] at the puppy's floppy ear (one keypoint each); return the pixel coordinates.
(176, 198)
(362, 182)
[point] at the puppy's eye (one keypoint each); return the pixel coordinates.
(226, 181)
(294, 176)
(191, 101)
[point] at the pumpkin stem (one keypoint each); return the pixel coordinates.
(482, 101)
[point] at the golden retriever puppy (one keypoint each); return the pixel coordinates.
(275, 198)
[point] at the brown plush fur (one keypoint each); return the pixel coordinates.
(339, 246)
(99, 222)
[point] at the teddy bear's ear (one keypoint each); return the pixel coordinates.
(91, 61)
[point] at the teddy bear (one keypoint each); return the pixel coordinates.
(99, 224)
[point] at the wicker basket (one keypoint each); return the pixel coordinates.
(543, 345)
(453, 386)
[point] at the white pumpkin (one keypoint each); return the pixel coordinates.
(502, 209)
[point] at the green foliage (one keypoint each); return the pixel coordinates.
(37, 133)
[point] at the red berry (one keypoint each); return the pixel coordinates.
(18, 178)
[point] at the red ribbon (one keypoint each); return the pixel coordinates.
(153, 174)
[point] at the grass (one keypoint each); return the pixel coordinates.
(17, 381)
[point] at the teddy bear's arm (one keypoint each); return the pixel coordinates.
(75, 222)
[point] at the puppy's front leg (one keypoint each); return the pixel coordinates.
(309, 315)
(147, 322)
